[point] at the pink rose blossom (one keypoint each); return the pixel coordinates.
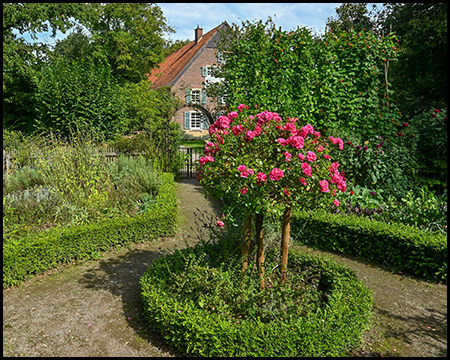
(287, 156)
(261, 178)
(282, 141)
(291, 128)
(249, 135)
(310, 156)
(223, 122)
(303, 181)
(286, 191)
(232, 115)
(324, 186)
(242, 168)
(219, 223)
(308, 129)
(276, 174)
(326, 156)
(320, 148)
(336, 202)
(244, 190)
(242, 106)
(237, 129)
(296, 141)
(306, 168)
(301, 157)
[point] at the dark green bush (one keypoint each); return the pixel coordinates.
(202, 304)
(37, 253)
(420, 253)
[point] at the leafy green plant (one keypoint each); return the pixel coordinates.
(420, 208)
(420, 253)
(34, 253)
(80, 94)
(431, 130)
(202, 303)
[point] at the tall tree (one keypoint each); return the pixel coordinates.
(420, 76)
(129, 36)
(352, 15)
(22, 60)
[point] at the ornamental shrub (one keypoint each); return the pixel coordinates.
(200, 302)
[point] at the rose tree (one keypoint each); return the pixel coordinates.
(264, 163)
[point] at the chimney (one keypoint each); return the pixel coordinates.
(198, 34)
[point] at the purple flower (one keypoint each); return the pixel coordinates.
(365, 148)
(372, 193)
(358, 147)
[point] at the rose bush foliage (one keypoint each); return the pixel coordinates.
(263, 162)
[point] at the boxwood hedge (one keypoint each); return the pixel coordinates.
(37, 253)
(420, 253)
(194, 329)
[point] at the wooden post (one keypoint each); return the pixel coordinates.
(247, 232)
(260, 253)
(285, 241)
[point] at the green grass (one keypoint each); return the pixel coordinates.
(193, 144)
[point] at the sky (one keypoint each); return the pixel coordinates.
(184, 17)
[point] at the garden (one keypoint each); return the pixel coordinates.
(311, 148)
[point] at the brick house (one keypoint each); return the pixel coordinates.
(187, 71)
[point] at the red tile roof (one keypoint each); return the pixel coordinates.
(177, 61)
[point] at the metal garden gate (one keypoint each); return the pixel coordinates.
(190, 157)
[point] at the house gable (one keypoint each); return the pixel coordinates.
(176, 64)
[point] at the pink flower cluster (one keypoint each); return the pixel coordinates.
(337, 177)
(205, 159)
(244, 171)
(247, 129)
(276, 174)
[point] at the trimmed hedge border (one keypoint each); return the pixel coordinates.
(420, 253)
(331, 331)
(37, 253)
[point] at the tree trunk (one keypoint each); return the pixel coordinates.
(260, 253)
(285, 241)
(246, 241)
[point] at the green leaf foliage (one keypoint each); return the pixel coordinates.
(37, 253)
(78, 94)
(203, 305)
(335, 82)
(420, 253)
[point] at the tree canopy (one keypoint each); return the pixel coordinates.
(127, 37)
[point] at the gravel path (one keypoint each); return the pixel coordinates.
(93, 309)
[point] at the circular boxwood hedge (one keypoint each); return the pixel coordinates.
(204, 305)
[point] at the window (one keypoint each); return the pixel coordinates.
(194, 120)
(196, 96)
(207, 70)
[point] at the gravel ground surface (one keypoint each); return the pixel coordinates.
(93, 308)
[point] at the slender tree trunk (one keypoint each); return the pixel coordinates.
(246, 241)
(260, 253)
(285, 241)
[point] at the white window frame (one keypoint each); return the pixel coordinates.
(196, 96)
(196, 118)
